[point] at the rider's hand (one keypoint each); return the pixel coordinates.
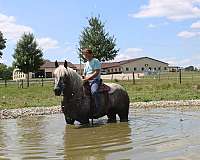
(85, 80)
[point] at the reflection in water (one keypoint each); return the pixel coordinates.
(96, 142)
(163, 134)
(2, 141)
(31, 134)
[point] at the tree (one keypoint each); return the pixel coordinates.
(28, 56)
(189, 68)
(2, 70)
(2, 43)
(5, 72)
(98, 40)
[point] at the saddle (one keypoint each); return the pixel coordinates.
(103, 90)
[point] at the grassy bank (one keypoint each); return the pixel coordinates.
(161, 91)
(34, 96)
(151, 88)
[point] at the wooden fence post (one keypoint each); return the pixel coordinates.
(133, 78)
(111, 77)
(5, 83)
(180, 76)
(22, 83)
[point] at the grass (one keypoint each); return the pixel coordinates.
(165, 87)
(34, 96)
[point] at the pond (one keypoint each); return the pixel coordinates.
(151, 134)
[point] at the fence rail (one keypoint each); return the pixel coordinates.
(136, 78)
(21, 83)
(165, 86)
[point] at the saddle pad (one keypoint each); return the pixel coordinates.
(104, 88)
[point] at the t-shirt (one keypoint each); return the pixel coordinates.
(91, 66)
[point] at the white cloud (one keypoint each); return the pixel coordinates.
(152, 26)
(171, 9)
(196, 25)
(13, 31)
(157, 25)
(47, 43)
(10, 29)
(129, 53)
(188, 34)
(190, 61)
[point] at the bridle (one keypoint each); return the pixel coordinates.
(71, 98)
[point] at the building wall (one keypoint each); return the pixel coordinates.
(113, 70)
(49, 72)
(143, 65)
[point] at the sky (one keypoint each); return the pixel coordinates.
(167, 30)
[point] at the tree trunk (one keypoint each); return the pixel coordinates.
(28, 80)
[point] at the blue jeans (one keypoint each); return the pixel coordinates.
(94, 90)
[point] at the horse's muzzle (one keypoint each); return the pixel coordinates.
(57, 92)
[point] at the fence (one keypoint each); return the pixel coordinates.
(163, 86)
(22, 83)
(136, 78)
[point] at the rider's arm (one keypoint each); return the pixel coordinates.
(93, 75)
(84, 72)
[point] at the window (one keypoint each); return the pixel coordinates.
(127, 69)
(155, 69)
(115, 69)
(108, 70)
(142, 68)
(159, 68)
(119, 69)
(111, 70)
(165, 68)
(135, 69)
(48, 74)
(150, 68)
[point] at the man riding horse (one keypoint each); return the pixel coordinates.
(91, 74)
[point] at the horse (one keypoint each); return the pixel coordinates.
(76, 105)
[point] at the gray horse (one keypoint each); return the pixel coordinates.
(76, 105)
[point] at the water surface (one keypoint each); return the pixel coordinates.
(153, 134)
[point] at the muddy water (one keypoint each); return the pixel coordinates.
(155, 134)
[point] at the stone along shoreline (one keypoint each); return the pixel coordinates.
(23, 112)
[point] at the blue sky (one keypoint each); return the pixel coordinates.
(168, 30)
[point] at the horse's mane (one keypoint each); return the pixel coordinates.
(75, 78)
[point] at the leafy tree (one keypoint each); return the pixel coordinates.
(2, 70)
(98, 40)
(2, 43)
(5, 72)
(189, 68)
(196, 69)
(28, 56)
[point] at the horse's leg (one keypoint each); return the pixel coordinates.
(111, 117)
(123, 115)
(69, 120)
(84, 121)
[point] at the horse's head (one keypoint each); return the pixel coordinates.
(60, 74)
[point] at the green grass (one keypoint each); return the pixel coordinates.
(34, 96)
(165, 87)
(146, 89)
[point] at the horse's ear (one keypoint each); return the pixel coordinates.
(56, 64)
(65, 64)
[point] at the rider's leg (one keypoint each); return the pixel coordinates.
(95, 93)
